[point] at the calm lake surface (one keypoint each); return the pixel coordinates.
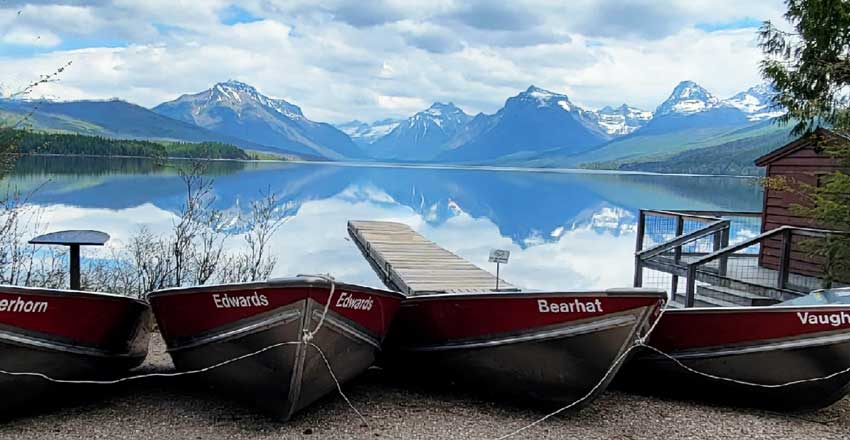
(564, 230)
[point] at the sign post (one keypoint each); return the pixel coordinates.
(499, 256)
(73, 239)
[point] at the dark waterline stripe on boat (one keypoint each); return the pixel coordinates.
(347, 328)
(805, 342)
(276, 319)
(20, 339)
(573, 330)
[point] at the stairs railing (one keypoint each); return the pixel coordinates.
(696, 245)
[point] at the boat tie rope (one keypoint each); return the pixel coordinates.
(306, 339)
(309, 335)
(641, 342)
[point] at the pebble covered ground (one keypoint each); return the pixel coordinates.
(175, 408)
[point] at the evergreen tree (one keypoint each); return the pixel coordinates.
(810, 70)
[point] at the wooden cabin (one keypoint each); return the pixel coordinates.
(801, 161)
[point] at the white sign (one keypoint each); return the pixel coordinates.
(499, 256)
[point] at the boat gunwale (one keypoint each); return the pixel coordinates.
(609, 293)
(757, 309)
(291, 282)
(68, 293)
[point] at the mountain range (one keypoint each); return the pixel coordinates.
(536, 127)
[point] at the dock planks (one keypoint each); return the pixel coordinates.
(412, 264)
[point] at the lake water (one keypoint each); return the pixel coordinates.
(564, 230)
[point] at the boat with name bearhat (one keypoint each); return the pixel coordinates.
(456, 326)
(280, 344)
(791, 356)
(51, 335)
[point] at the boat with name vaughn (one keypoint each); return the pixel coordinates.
(282, 331)
(793, 356)
(66, 335)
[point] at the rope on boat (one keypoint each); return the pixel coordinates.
(641, 342)
(306, 339)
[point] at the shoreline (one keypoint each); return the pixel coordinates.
(408, 165)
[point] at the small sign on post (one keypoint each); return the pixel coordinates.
(499, 256)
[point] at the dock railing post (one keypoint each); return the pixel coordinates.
(677, 256)
(724, 243)
(784, 259)
(691, 283)
(641, 227)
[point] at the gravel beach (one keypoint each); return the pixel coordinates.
(175, 408)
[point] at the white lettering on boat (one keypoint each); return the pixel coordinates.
(20, 306)
(833, 319)
(225, 302)
(574, 306)
(348, 301)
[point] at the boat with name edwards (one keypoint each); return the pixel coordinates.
(285, 333)
(66, 335)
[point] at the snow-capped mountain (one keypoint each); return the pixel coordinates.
(421, 136)
(756, 102)
(238, 109)
(363, 133)
(688, 98)
(622, 120)
(531, 121)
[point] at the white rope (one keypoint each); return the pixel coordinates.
(638, 342)
(641, 342)
(306, 339)
(309, 335)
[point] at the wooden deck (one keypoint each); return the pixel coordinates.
(412, 264)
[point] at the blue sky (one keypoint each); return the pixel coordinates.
(345, 59)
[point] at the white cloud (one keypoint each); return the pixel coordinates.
(337, 62)
(20, 36)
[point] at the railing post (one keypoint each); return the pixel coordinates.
(641, 228)
(677, 256)
(680, 229)
(784, 259)
(724, 243)
(691, 283)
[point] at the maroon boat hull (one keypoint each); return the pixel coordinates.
(516, 345)
(206, 326)
(760, 345)
(66, 335)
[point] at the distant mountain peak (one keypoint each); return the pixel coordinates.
(238, 109)
(756, 102)
(688, 97)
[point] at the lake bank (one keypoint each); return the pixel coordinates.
(172, 408)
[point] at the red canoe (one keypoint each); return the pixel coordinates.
(536, 346)
(762, 345)
(208, 325)
(69, 335)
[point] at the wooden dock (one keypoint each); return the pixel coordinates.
(411, 264)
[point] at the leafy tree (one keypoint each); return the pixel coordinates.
(810, 70)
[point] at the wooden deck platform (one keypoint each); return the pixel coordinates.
(411, 264)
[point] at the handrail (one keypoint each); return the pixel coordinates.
(683, 239)
(682, 214)
(738, 246)
(723, 213)
(808, 232)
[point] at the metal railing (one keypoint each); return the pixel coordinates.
(699, 246)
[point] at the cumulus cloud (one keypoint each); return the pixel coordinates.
(342, 60)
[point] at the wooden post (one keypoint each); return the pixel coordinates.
(691, 283)
(724, 243)
(677, 256)
(641, 228)
(74, 257)
(784, 259)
